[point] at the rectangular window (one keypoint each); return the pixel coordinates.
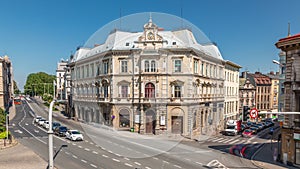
(105, 67)
(124, 66)
(87, 73)
(177, 91)
(92, 70)
(124, 91)
(105, 91)
(195, 66)
(177, 65)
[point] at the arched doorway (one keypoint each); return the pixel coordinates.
(177, 115)
(150, 122)
(124, 118)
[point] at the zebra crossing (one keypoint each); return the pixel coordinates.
(230, 140)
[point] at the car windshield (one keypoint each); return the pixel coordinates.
(56, 124)
(63, 128)
(75, 132)
(247, 131)
(230, 127)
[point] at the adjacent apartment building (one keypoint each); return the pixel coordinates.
(154, 81)
(290, 131)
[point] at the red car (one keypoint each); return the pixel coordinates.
(248, 133)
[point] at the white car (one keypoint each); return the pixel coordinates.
(37, 119)
(46, 125)
(74, 135)
(41, 121)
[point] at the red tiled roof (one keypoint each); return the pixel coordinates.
(290, 37)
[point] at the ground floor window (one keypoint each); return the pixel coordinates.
(124, 118)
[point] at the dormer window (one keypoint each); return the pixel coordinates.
(127, 44)
(174, 43)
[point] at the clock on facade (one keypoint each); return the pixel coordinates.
(150, 36)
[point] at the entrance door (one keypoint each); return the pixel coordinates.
(177, 124)
(150, 122)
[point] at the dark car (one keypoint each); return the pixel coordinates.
(54, 125)
(61, 131)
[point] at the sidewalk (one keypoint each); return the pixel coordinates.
(17, 156)
(264, 158)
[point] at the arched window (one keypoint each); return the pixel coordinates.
(147, 66)
(153, 68)
(149, 90)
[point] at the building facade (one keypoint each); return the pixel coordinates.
(62, 74)
(152, 82)
(6, 81)
(247, 90)
(274, 77)
(263, 91)
(290, 131)
(231, 87)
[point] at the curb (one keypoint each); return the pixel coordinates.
(14, 143)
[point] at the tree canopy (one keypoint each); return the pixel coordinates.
(38, 84)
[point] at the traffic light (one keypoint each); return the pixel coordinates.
(246, 113)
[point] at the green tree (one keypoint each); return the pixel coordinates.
(16, 89)
(38, 84)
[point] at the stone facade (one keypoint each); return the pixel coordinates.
(158, 82)
(231, 86)
(290, 146)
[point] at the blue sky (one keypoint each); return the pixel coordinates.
(36, 34)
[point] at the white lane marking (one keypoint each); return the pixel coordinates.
(147, 167)
(86, 141)
(116, 160)
(118, 155)
(217, 139)
(36, 131)
(199, 163)
(26, 124)
(75, 156)
(84, 161)
(86, 149)
(110, 152)
(187, 159)
(91, 143)
(137, 163)
(80, 146)
(95, 152)
(13, 124)
(228, 140)
(105, 156)
(93, 165)
(103, 148)
(129, 165)
(73, 144)
(126, 159)
(155, 158)
(234, 141)
(165, 161)
(177, 166)
(67, 152)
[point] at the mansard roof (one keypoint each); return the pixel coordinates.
(122, 40)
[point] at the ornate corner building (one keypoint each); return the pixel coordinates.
(152, 82)
(290, 130)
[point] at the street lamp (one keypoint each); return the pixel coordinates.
(50, 134)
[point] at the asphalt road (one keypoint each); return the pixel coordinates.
(106, 148)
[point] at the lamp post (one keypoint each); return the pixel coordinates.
(50, 136)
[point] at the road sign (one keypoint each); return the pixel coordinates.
(253, 113)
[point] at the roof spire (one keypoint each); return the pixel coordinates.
(150, 19)
(289, 30)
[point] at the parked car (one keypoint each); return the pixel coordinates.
(55, 124)
(61, 131)
(248, 133)
(37, 118)
(74, 135)
(41, 121)
(254, 129)
(46, 124)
